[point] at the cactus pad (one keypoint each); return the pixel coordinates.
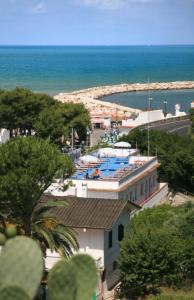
(22, 265)
(13, 293)
(86, 275)
(61, 282)
(2, 239)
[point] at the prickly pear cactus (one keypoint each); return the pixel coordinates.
(73, 280)
(21, 265)
(2, 239)
(13, 293)
(86, 276)
(61, 282)
(11, 231)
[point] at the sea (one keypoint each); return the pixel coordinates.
(55, 69)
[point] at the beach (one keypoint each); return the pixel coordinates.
(91, 97)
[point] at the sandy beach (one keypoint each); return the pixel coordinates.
(91, 97)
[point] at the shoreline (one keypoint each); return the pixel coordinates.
(91, 97)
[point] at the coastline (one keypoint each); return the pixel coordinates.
(91, 97)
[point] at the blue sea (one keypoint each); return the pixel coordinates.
(54, 69)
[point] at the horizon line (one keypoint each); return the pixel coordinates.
(88, 45)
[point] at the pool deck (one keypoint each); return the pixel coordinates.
(111, 168)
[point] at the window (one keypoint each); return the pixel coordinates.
(110, 239)
(120, 232)
(115, 265)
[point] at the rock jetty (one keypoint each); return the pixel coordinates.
(91, 97)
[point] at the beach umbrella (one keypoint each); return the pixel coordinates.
(122, 145)
(89, 159)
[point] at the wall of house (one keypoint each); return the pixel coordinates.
(111, 254)
(144, 117)
(142, 189)
(91, 241)
(102, 194)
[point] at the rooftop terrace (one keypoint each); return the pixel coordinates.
(113, 166)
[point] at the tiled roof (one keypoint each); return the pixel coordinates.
(89, 213)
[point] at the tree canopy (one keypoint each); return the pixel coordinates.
(158, 250)
(19, 108)
(57, 121)
(175, 153)
(192, 123)
(23, 110)
(27, 168)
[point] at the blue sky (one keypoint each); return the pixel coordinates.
(96, 22)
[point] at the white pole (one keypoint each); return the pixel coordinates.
(72, 138)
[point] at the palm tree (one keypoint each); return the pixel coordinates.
(51, 233)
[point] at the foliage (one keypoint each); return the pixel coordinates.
(15, 272)
(27, 167)
(50, 232)
(19, 108)
(22, 110)
(21, 259)
(175, 154)
(55, 122)
(157, 251)
(192, 124)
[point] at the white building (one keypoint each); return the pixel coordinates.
(145, 117)
(99, 225)
(101, 204)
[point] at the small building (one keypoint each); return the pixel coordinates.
(99, 225)
(100, 120)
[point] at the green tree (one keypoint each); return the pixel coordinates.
(192, 124)
(19, 108)
(55, 122)
(175, 154)
(27, 168)
(157, 251)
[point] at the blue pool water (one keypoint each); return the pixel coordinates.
(108, 167)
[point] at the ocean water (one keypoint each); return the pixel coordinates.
(140, 99)
(54, 69)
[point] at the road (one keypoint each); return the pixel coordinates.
(180, 127)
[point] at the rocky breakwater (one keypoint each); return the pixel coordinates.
(91, 97)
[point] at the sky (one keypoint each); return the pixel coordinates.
(96, 22)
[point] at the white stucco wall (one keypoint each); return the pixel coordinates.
(112, 254)
(91, 241)
(144, 117)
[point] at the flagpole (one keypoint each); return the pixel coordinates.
(72, 137)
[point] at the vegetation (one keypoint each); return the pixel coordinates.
(27, 167)
(22, 269)
(192, 123)
(22, 111)
(175, 154)
(57, 122)
(19, 108)
(158, 251)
